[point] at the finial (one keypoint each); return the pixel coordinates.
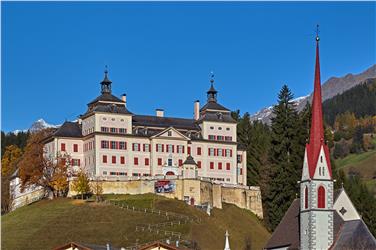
(106, 69)
(317, 33)
(211, 77)
(342, 185)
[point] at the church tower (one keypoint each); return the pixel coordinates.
(316, 186)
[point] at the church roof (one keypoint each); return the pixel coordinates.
(69, 129)
(347, 234)
(316, 138)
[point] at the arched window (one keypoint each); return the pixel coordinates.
(306, 197)
(321, 197)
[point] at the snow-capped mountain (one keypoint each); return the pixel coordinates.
(35, 126)
(333, 86)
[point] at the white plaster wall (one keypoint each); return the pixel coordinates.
(88, 125)
(206, 129)
(113, 121)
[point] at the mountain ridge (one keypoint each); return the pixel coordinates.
(331, 87)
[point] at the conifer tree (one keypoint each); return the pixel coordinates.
(285, 157)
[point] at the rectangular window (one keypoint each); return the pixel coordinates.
(122, 131)
(104, 144)
(159, 161)
(136, 147)
(228, 166)
(180, 162)
(122, 160)
(75, 147)
(104, 129)
(220, 138)
(211, 165)
(113, 159)
(122, 145)
(241, 171)
(62, 147)
(159, 148)
(211, 151)
(146, 147)
(198, 151)
(220, 152)
(113, 130)
(211, 137)
(146, 161)
(239, 158)
(189, 150)
(169, 148)
(219, 165)
(199, 164)
(104, 158)
(228, 138)
(135, 161)
(113, 145)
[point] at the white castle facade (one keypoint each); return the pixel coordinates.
(109, 141)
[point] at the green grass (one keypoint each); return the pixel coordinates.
(47, 224)
(354, 160)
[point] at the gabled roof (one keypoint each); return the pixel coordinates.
(69, 129)
(159, 245)
(216, 117)
(168, 129)
(164, 122)
(190, 160)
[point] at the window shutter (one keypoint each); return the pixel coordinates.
(208, 151)
(189, 150)
(156, 147)
(183, 148)
(79, 162)
(162, 147)
(230, 152)
(143, 147)
(173, 148)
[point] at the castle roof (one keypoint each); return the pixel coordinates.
(157, 121)
(190, 160)
(69, 129)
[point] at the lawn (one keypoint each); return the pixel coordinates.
(47, 224)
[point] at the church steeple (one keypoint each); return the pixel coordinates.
(316, 135)
(212, 93)
(106, 83)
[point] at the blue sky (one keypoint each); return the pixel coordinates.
(161, 54)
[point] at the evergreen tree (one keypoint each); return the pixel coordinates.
(285, 157)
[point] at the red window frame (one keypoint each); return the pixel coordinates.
(135, 161)
(159, 161)
(199, 164)
(228, 166)
(211, 165)
(189, 150)
(122, 160)
(219, 165)
(147, 162)
(113, 159)
(321, 197)
(75, 147)
(62, 147)
(199, 151)
(180, 162)
(104, 158)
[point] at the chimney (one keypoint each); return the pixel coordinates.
(197, 110)
(159, 112)
(124, 99)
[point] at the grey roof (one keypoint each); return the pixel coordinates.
(164, 122)
(217, 117)
(69, 129)
(189, 160)
(354, 234)
(106, 97)
(214, 106)
(108, 108)
(347, 234)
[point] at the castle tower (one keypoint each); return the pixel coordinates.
(316, 186)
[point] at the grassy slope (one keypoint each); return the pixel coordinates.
(364, 163)
(47, 224)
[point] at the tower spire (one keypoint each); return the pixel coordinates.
(316, 135)
(227, 243)
(212, 93)
(106, 83)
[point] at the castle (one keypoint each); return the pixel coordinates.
(111, 142)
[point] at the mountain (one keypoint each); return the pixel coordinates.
(37, 125)
(330, 88)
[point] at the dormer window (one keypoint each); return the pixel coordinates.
(220, 116)
(169, 133)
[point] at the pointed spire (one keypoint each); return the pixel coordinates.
(106, 83)
(316, 135)
(227, 243)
